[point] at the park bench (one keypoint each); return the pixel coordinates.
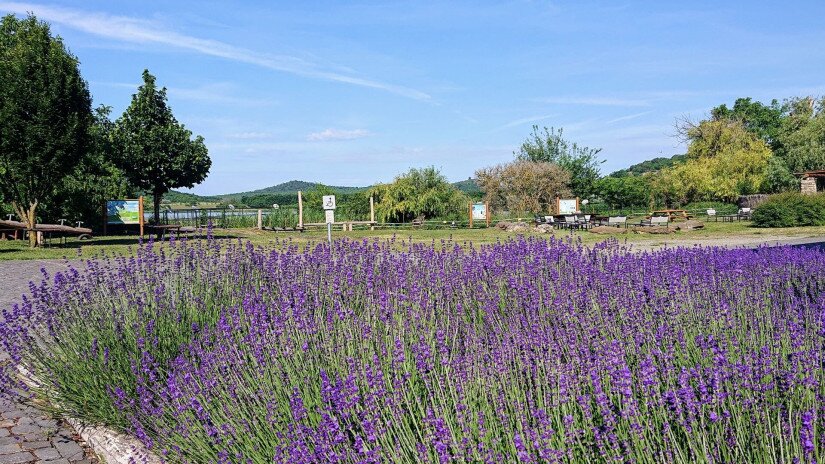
(614, 221)
(654, 221)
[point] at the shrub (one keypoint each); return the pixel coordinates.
(792, 209)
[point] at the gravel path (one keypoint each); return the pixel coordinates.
(27, 435)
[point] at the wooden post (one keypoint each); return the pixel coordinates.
(105, 218)
(558, 205)
(260, 219)
(140, 215)
(578, 208)
(372, 213)
(471, 215)
(300, 211)
(487, 212)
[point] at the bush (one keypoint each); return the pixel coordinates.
(791, 209)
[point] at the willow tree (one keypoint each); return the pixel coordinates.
(45, 114)
(156, 152)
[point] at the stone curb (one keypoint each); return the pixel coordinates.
(110, 446)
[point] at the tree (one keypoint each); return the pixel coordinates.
(524, 186)
(580, 162)
(45, 113)
(803, 135)
(157, 153)
(95, 178)
(763, 120)
(724, 160)
(625, 191)
(418, 192)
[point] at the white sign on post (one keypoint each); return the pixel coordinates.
(330, 216)
(328, 202)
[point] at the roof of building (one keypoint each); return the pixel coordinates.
(818, 173)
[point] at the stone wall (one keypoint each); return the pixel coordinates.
(808, 185)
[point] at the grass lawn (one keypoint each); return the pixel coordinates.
(714, 233)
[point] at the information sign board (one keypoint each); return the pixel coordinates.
(123, 212)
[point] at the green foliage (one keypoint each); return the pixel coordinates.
(624, 192)
(419, 192)
(173, 196)
(651, 165)
(157, 152)
(267, 200)
(45, 114)
(763, 120)
(803, 135)
(723, 161)
(94, 180)
(791, 209)
(581, 163)
(778, 178)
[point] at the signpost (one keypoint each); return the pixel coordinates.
(123, 212)
(328, 202)
(567, 206)
(480, 212)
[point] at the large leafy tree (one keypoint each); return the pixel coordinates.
(157, 153)
(524, 186)
(803, 135)
(45, 114)
(95, 178)
(550, 146)
(418, 192)
(724, 160)
(763, 120)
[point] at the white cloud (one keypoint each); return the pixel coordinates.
(143, 32)
(338, 134)
(521, 121)
(628, 117)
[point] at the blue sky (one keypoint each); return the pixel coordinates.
(352, 93)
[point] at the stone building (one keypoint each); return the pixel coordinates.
(811, 181)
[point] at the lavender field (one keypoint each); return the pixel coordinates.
(523, 351)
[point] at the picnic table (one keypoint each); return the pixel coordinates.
(672, 214)
(161, 229)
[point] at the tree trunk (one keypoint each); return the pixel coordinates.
(29, 218)
(156, 197)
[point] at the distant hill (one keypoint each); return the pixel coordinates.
(651, 165)
(289, 188)
(188, 198)
(469, 186)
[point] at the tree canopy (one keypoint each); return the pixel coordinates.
(803, 135)
(580, 162)
(418, 192)
(45, 114)
(524, 186)
(157, 153)
(724, 160)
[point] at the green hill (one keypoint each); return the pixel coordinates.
(469, 186)
(650, 165)
(280, 193)
(289, 188)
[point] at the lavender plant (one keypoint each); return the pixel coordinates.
(523, 351)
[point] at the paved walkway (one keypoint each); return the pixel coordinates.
(27, 435)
